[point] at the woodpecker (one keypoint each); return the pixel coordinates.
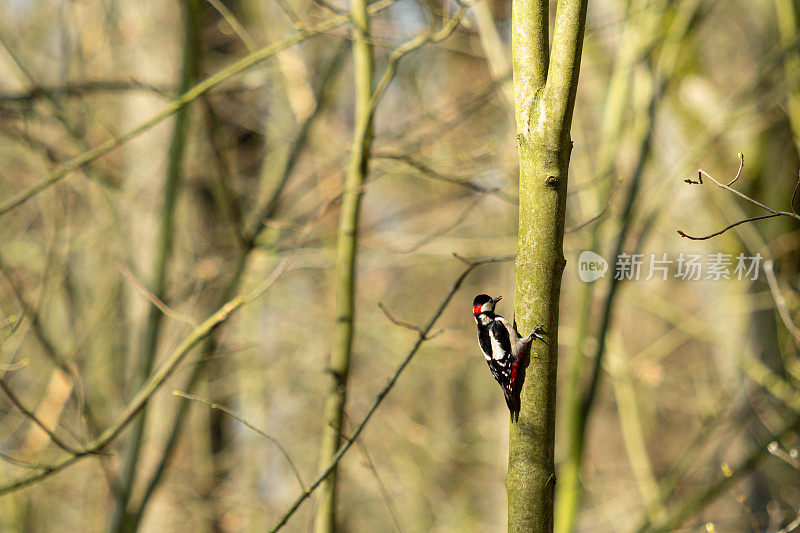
(505, 350)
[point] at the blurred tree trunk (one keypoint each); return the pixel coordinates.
(124, 519)
(347, 241)
(544, 93)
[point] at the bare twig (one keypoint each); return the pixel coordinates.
(384, 491)
(748, 511)
(82, 88)
(153, 299)
(773, 212)
(384, 392)
(23, 464)
(29, 309)
(33, 418)
(244, 422)
(235, 25)
(433, 174)
(738, 172)
(429, 37)
(726, 228)
(397, 322)
(457, 221)
(602, 210)
(290, 12)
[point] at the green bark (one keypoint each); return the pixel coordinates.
(544, 93)
(347, 242)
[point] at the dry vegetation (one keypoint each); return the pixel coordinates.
(239, 192)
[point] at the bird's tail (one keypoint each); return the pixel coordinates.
(513, 402)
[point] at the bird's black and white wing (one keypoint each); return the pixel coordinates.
(499, 357)
(515, 342)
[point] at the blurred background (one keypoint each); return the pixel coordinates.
(105, 271)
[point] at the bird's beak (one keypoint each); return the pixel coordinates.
(495, 300)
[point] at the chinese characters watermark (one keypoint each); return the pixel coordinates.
(689, 267)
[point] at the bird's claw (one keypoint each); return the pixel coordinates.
(538, 333)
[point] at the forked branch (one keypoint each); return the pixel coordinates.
(772, 212)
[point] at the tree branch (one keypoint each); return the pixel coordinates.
(214, 405)
(773, 212)
(565, 63)
(530, 57)
(33, 418)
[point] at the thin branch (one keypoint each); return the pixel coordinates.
(773, 212)
(791, 526)
(702, 172)
(726, 228)
(457, 221)
(748, 511)
(602, 210)
(774, 384)
(214, 405)
(179, 103)
(235, 25)
(33, 418)
(23, 464)
(153, 299)
(431, 173)
(81, 88)
(45, 340)
(738, 172)
(429, 37)
(565, 62)
(290, 12)
(384, 491)
(268, 206)
(400, 323)
(384, 392)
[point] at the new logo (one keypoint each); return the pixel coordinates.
(591, 266)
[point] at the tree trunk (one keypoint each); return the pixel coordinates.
(346, 248)
(544, 92)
